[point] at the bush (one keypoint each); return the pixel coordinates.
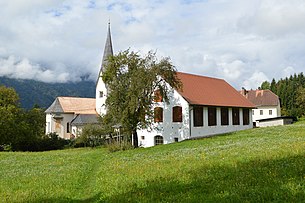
(53, 142)
(92, 136)
(116, 146)
(45, 143)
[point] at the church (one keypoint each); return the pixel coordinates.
(204, 107)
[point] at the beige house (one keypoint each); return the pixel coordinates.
(67, 115)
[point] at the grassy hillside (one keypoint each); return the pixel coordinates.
(33, 92)
(257, 165)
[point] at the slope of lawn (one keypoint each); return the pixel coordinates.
(257, 165)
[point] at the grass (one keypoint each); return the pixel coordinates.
(257, 165)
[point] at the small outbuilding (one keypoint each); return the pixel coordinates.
(283, 120)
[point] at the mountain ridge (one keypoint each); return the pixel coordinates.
(32, 92)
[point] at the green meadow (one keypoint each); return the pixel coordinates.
(257, 165)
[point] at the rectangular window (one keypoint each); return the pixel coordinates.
(235, 116)
(253, 112)
(212, 121)
(224, 116)
(158, 114)
(49, 127)
(68, 127)
(176, 139)
(261, 112)
(177, 114)
(101, 94)
(246, 116)
(270, 112)
(198, 116)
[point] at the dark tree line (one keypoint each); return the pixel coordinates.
(291, 91)
(23, 130)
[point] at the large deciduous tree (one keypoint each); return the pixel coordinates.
(20, 129)
(8, 114)
(132, 81)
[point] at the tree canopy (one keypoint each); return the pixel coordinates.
(8, 113)
(132, 81)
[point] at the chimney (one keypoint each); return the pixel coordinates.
(244, 91)
(259, 93)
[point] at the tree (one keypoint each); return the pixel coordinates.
(273, 86)
(31, 127)
(265, 85)
(92, 135)
(132, 81)
(8, 114)
(300, 100)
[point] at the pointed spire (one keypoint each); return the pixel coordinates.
(108, 51)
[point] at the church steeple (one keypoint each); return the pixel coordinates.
(108, 51)
(102, 90)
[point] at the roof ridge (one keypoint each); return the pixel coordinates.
(266, 90)
(76, 97)
(201, 76)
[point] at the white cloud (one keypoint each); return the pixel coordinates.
(288, 71)
(255, 80)
(23, 69)
(236, 40)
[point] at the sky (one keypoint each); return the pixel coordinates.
(243, 42)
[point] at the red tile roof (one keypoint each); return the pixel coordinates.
(201, 90)
(262, 97)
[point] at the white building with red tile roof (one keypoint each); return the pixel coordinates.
(205, 106)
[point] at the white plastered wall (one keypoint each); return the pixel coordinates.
(276, 112)
(167, 129)
(59, 125)
(100, 99)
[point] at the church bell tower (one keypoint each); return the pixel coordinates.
(101, 89)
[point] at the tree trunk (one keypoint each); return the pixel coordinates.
(135, 139)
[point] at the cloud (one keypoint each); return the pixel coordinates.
(23, 69)
(276, 18)
(255, 80)
(288, 71)
(236, 40)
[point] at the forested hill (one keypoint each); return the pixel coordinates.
(33, 92)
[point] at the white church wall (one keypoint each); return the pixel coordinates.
(169, 130)
(58, 123)
(100, 97)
